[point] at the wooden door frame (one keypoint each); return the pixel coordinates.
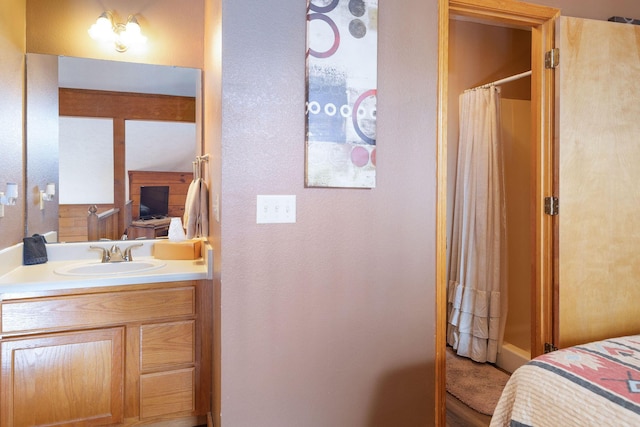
(541, 21)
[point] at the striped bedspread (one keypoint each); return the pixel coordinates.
(595, 384)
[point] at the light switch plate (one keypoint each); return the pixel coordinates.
(276, 209)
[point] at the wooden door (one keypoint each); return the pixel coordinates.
(598, 135)
(65, 379)
(541, 21)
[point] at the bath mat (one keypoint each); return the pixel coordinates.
(477, 385)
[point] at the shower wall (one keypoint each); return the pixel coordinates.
(481, 54)
(516, 133)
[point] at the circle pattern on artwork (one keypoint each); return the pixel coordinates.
(357, 7)
(357, 111)
(359, 156)
(357, 28)
(324, 9)
(336, 35)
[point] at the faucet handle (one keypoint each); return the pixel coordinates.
(127, 251)
(105, 253)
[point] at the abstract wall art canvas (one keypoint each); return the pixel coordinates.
(341, 99)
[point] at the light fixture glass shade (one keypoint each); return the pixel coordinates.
(133, 27)
(50, 189)
(11, 193)
(132, 33)
(103, 28)
(122, 36)
(47, 194)
(12, 189)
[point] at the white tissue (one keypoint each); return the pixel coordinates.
(176, 232)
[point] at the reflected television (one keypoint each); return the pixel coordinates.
(154, 202)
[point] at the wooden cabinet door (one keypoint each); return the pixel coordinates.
(63, 379)
(598, 241)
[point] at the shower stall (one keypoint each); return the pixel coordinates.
(479, 54)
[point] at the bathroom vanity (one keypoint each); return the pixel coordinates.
(125, 349)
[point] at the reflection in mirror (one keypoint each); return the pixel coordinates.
(101, 137)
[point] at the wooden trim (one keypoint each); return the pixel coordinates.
(125, 105)
(132, 372)
(119, 170)
(504, 11)
(204, 346)
(540, 20)
(441, 214)
(543, 112)
(102, 225)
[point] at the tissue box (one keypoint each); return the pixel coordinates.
(187, 249)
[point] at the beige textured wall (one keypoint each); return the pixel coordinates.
(41, 141)
(12, 49)
(328, 321)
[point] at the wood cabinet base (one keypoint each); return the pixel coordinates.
(131, 356)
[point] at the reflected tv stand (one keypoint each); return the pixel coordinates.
(148, 228)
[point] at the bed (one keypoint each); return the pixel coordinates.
(595, 384)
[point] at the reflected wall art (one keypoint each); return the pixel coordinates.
(341, 99)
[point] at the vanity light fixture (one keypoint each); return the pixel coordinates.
(121, 35)
(9, 198)
(47, 194)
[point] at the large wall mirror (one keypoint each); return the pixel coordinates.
(92, 123)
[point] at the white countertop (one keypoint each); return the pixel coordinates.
(18, 278)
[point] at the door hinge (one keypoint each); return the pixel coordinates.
(552, 58)
(548, 347)
(551, 205)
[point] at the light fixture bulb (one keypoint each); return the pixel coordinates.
(133, 27)
(133, 34)
(47, 194)
(50, 189)
(121, 35)
(12, 193)
(103, 28)
(10, 197)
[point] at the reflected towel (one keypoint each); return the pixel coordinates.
(198, 211)
(193, 186)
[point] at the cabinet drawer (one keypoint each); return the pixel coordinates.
(86, 311)
(167, 393)
(166, 344)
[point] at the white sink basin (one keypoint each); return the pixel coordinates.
(108, 268)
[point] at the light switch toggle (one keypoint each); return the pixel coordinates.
(276, 209)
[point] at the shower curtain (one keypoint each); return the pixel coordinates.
(477, 260)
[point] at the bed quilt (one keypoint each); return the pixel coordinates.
(595, 384)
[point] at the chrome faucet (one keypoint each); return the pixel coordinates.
(115, 253)
(105, 253)
(127, 251)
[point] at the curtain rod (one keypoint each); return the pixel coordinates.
(502, 81)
